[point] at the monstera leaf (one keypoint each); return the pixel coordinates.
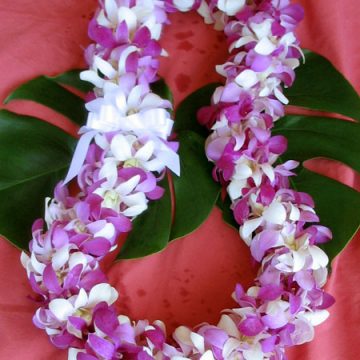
(35, 155)
(319, 86)
(49, 92)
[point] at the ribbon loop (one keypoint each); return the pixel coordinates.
(155, 123)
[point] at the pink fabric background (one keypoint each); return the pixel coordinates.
(183, 284)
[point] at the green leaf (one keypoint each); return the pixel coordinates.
(312, 136)
(227, 213)
(319, 86)
(195, 190)
(151, 230)
(337, 205)
(72, 79)
(47, 92)
(186, 113)
(34, 156)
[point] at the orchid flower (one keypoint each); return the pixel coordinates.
(82, 304)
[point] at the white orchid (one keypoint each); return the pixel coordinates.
(245, 169)
(219, 18)
(82, 304)
(111, 69)
(184, 5)
(231, 7)
(150, 155)
(140, 14)
(275, 214)
(62, 262)
(267, 84)
(120, 197)
(301, 252)
(56, 210)
(248, 347)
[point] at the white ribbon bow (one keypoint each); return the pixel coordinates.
(154, 123)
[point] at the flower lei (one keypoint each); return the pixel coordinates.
(123, 152)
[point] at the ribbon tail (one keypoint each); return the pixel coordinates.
(79, 155)
(171, 159)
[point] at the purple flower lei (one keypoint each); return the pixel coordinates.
(124, 151)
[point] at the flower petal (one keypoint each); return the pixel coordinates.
(61, 308)
(102, 292)
(134, 98)
(208, 355)
(227, 324)
(198, 342)
(120, 147)
(247, 79)
(103, 348)
(146, 151)
(265, 46)
(275, 213)
(249, 226)
(319, 257)
(107, 232)
(60, 257)
(316, 317)
(104, 67)
(81, 299)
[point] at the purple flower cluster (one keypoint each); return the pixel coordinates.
(122, 154)
(124, 151)
(277, 223)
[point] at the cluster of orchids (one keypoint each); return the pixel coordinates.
(123, 152)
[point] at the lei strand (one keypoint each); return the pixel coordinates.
(123, 152)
